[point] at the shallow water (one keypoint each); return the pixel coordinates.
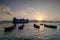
(30, 33)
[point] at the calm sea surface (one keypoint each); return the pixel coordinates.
(30, 33)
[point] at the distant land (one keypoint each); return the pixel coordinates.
(5, 22)
(8, 21)
(44, 21)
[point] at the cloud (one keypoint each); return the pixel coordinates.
(5, 10)
(5, 13)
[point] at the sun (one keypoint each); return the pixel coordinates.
(40, 18)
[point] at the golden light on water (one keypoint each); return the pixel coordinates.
(41, 27)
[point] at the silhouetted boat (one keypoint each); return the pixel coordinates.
(8, 29)
(50, 26)
(41, 24)
(36, 26)
(21, 27)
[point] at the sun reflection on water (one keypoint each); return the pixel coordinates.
(41, 27)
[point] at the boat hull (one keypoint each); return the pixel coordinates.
(21, 27)
(50, 26)
(8, 29)
(36, 26)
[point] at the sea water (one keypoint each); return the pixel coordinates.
(30, 33)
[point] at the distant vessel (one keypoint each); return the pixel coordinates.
(41, 24)
(8, 29)
(36, 26)
(17, 21)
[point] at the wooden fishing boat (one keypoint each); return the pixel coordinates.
(9, 28)
(36, 26)
(21, 27)
(50, 26)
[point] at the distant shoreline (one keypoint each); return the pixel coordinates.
(31, 21)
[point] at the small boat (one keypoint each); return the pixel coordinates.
(36, 26)
(41, 24)
(50, 26)
(8, 29)
(21, 27)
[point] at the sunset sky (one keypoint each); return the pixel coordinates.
(31, 9)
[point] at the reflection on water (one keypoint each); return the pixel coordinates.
(42, 27)
(30, 33)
